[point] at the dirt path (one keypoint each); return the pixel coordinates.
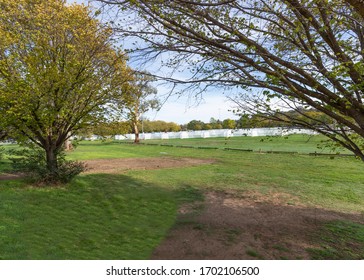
(9, 176)
(245, 226)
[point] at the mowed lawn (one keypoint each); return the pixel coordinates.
(125, 216)
(296, 143)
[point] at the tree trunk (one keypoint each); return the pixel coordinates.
(51, 158)
(136, 132)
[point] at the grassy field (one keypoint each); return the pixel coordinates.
(125, 216)
(298, 143)
(95, 217)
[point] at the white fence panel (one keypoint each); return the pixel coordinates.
(255, 132)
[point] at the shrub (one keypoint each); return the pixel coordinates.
(33, 163)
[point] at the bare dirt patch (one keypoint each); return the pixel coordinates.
(125, 164)
(10, 176)
(246, 225)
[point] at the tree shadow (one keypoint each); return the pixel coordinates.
(96, 216)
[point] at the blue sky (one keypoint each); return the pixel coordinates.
(183, 109)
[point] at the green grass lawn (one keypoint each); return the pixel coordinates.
(299, 143)
(94, 217)
(125, 216)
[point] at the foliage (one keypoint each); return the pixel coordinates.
(312, 117)
(58, 69)
(108, 129)
(214, 124)
(280, 55)
(195, 125)
(33, 163)
(158, 126)
(228, 124)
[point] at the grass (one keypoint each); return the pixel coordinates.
(253, 253)
(126, 216)
(292, 143)
(334, 184)
(340, 240)
(95, 217)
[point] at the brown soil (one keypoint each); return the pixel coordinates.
(124, 164)
(232, 225)
(9, 176)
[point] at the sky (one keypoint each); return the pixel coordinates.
(183, 109)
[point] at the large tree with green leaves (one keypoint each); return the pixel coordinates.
(58, 69)
(280, 55)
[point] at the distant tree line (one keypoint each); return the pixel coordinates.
(213, 124)
(313, 117)
(107, 129)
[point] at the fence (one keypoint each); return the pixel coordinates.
(274, 131)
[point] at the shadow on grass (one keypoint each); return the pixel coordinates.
(94, 217)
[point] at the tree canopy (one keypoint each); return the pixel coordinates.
(281, 55)
(58, 69)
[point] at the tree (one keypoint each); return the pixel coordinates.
(358, 5)
(195, 125)
(160, 126)
(228, 124)
(139, 98)
(207, 126)
(252, 121)
(289, 53)
(58, 69)
(216, 123)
